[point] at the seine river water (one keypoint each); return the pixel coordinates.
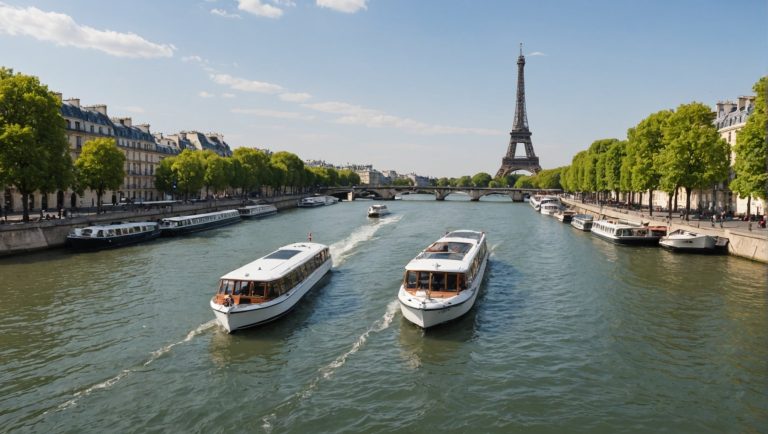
(569, 334)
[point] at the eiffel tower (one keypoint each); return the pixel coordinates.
(520, 133)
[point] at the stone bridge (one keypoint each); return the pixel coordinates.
(390, 191)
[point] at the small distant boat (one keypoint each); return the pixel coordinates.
(173, 226)
(582, 222)
(315, 201)
(682, 240)
(565, 216)
(442, 282)
(627, 233)
(269, 287)
(111, 235)
(256, 211)
(377, 211)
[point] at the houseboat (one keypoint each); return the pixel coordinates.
(269, 287)
(582, 222)
(535, 202)
(111, 235)
(256, 211)
(377, 210)
(173, 226)
(550, 208)
(565, 216)
(682, 240)
(442, 282)
(312, 202)
(627, 233)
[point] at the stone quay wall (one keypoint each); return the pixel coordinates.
(750, 244)
(17, 238)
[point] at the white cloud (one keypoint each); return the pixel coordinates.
(62, 30)
(223, 13)
(256, 7)
(356, 115)
(295, 97)
(195, 59)
(346, 6)
(272, 113)
(204, 94)
(245, 85)
(227, 95)
(537, 53)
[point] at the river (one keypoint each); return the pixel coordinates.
(569, 334)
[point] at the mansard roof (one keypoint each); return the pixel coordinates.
(132, 133)
(71, 111)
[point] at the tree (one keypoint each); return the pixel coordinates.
(294, 168)
(34, 153)
(189, 172)
(443, 182)
(751, 165)
(464, 181)
(251, 170)
(403, 182)
(481, 179)
(614, 157)
(645, 143)
(216, 175)
(524, 182)
(694, 155)
(549, 179)
(100, 167)
(164, 177)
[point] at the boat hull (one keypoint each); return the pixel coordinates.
(86, 243)
(425, 313)
(183, 230)
(250, 315)
(629, 240)
(706, 245)
(258, 216)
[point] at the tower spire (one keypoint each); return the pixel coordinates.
(520, 133)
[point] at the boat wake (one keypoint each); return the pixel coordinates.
(341, 250)
(327, 371)
(126, 372)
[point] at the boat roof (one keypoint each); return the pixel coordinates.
(583, 217)
(119, 225)
(619, 223)
(186, 217)
(276, 264)
(453, 252)
(261, 205)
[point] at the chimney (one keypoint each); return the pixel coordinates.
(728, 106)
(719, 109)
(73, 101)
(101, 108)
(58, 96)
(126, 122)
(143, 127)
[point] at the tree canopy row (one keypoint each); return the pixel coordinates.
(35, 156)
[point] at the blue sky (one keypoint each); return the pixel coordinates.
(425, 86)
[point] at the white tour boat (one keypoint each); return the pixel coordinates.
(682, 240)
(377, 210)
(269, 287)
(535, 202)
(331, 200)
(582, 222)
(111, 235)
(173, 226)
(627, 233)
(256, 211)
(550, 208)
(442, 282)
(311, 202)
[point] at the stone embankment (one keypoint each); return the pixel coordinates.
(743, 242)
(16, 238)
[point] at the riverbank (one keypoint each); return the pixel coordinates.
(743, 242)
(18, 238)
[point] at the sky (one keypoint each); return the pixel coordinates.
(422, 86)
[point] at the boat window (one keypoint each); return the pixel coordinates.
(410, 279)
(87, 232)
(451, 281)
(423, 280)
(282, 254)
(438, 281)
(226, 287)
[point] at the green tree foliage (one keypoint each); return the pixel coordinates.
(403, 182)
(524, 182)
(694, 155)
(614, 157)
(295, 176)
(548, 179)
(645, 143)
(251, 169)
(464, 181)
(443, 182)
(751, 165)
(481, 179)
(217, 172)
(189, 172)
(34, 153)
(164, 177)
(100, 167)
